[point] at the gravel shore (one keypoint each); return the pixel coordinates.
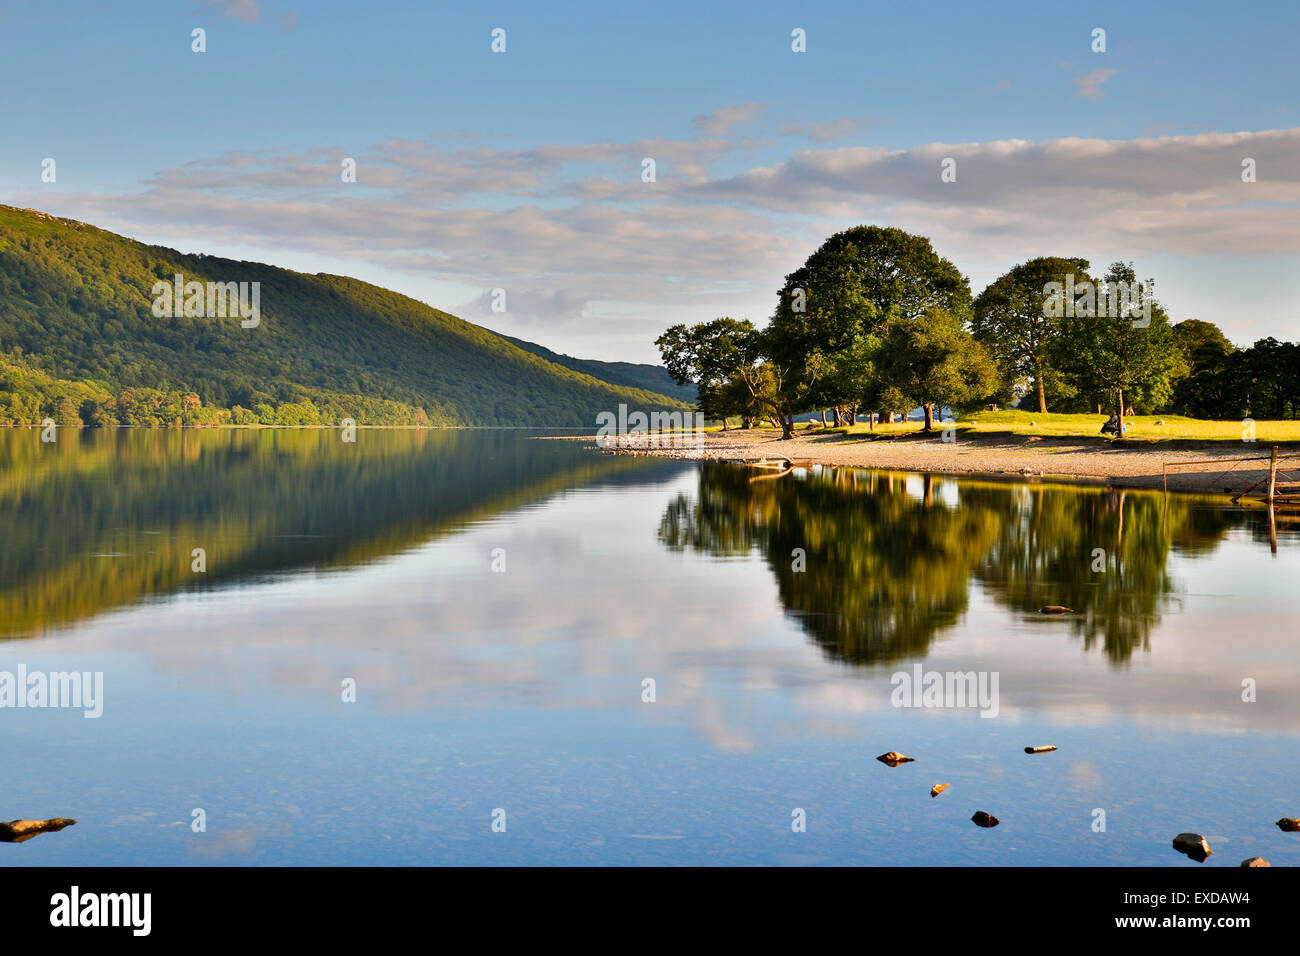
(1125, 464)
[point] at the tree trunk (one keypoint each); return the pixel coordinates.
(823, 418)
(787, 427)
(929, 417)
(724, 423)
(1038, 378)
(1120, 394)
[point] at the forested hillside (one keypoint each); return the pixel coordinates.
(79, 342)
(654, 378)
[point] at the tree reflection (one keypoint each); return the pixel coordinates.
(891, 560)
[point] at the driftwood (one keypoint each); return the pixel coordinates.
(19, 831)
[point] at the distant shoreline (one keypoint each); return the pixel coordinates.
(997, 457)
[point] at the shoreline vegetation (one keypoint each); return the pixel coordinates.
(1012, 446)
(877, 322)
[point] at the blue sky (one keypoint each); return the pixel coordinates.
(522, 170)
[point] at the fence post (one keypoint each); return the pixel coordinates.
(1272, 474)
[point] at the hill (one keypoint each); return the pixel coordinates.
(80, 341)
(652, 378)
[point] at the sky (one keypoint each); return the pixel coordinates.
(522, 170)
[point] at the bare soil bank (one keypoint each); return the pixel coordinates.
(1121, 464)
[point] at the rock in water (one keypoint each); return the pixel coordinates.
(1290, 826)
(894, 758)
(1040, 750)
(937, 789)
(1256, 861)
(982, 819)
(1055, 609)
(1193, 845)
(19, 831)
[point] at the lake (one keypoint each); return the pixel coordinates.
(484, 647)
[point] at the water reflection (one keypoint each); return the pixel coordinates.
(874, 566)
(103, 518)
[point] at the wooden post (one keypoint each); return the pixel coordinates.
(1272, 474)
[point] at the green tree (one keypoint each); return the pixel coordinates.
(933, 361)
(1121, 356)
(1010, 320)
(1209, 389)
(710, 355)
(832, 310)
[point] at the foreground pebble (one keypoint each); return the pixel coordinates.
(1040, 750)
(1256, 861)
(894, 758)
(16, 831)
(982, 819)
(1289, 825)
(937, 789)
(1193, 845)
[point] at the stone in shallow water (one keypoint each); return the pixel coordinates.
(1290, 826)
(1040, 750)
(894, 758)
(1256, 861)
(1055, 609)
(18, 831)
(937, 789)
(1193, 845)
(982, 819)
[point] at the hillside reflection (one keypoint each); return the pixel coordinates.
(103, 518)
(890, 561)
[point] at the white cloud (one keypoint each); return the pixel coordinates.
(572, 227)
(830, 130)
(249, 11)
(1090, 84)
(721, 121)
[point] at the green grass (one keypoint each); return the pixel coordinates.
(1140, 427)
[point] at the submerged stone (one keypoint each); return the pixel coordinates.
(982, 819)
(1193, 845)
(894, 758)
(18, 831)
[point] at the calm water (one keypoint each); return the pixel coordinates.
(522, 689)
